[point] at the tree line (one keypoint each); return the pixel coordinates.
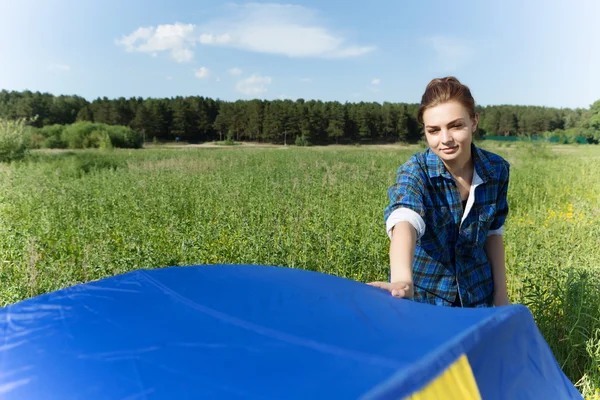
(200, 119)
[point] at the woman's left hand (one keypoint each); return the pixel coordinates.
(397, 289)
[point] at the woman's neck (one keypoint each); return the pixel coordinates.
(462, 168)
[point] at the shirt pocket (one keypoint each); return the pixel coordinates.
(473, 232)
(486, 216)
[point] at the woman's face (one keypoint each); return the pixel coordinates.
(449, 131)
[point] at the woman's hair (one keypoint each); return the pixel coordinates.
(442, 90)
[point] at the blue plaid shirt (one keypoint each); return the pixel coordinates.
(450, 258)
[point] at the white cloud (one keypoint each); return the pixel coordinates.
(59, 67)
(284, 97)
(374, 86)
(307, 80)
(209, 38)
(235, 71)
(182, 55)
(178, 39)
(202, 72)
(254, 85)
(451, 53)
(169, 78)
(289, 30)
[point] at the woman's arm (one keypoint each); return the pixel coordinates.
(494, 248)
(402, 252)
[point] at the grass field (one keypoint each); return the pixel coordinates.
(71, 217)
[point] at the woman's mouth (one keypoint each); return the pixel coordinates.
(450, 150)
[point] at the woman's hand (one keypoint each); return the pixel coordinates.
(397, 289)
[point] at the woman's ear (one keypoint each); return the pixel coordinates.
(475, 122)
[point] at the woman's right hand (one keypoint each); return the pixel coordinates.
(397, 289)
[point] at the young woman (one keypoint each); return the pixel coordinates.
(447, 210)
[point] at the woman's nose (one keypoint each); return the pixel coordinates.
(445, 136)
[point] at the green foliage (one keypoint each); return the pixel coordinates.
(197, 119)
(594, 121)
(566, 305)
(593, 124)
(228, 142)
(84, 215)
(53, 137)
(302, 141)
(124, 137)
(569, 136)
(552, 251)
(88, 163)
(85, 135)
(41, 108)
(105, 142)
(13, 140)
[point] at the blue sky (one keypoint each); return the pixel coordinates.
(509, 52)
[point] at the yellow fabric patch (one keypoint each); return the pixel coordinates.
(457, 382)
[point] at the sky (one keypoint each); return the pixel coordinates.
(534, 52)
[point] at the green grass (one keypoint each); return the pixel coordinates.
(73, 217)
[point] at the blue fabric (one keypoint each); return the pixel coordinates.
(450, 258)
(258, 332)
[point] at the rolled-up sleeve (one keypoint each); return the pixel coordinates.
(406, 201)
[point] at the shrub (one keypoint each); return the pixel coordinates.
(52, 137)
(83, 135)
(36, 141)
(13, 140)
(302, 141)
(123, 136)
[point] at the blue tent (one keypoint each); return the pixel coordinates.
(262, 332)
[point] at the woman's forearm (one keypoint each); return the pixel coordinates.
(402, 252)
(494, 248)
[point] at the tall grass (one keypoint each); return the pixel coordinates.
(83, 215)
(553, 256)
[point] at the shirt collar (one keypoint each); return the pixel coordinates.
(483, 167)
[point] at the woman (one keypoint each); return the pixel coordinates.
(447, 210)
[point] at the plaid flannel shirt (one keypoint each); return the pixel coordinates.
(450, 258)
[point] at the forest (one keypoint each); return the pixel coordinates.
(197, 119)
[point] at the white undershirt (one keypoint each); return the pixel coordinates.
(408, 215)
